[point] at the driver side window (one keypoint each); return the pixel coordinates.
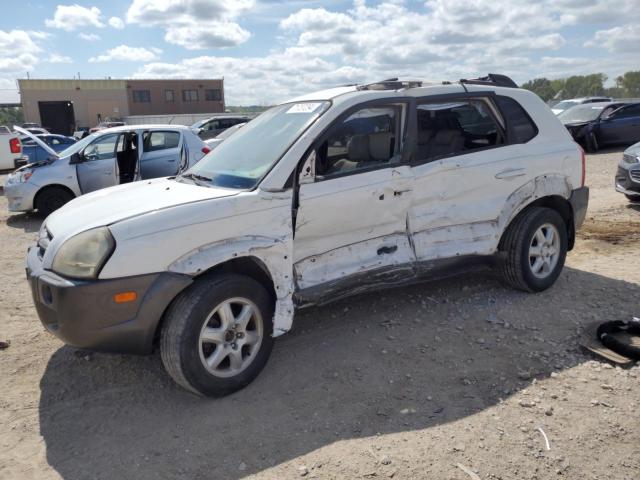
(368, 138)
(102, 148)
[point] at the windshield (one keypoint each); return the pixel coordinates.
(565, 104)
(79, 145)
(247, 155)
(581, 113)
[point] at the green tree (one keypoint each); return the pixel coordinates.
(630, 82)
(541, 87)
(584, 85)
(10, 116)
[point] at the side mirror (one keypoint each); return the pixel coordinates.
(308, 171)
(75, 159)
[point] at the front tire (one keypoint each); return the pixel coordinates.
(534, 247)
(51, 199)
(217, 335)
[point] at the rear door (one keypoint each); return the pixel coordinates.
(465, 167)
(161, 153)
(98, 165)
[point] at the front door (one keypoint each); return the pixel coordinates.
(351, 217)
(99, 165)
(160, 153)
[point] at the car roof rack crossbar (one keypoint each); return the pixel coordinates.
(493, 79)
(391, 84)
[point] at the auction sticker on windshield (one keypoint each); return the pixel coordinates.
(304, 107)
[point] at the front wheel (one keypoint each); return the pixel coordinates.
(534, 248)
(217, 335)
(52, 198)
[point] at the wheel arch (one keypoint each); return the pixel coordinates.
(554, 202)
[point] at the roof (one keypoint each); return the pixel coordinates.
(159, 126)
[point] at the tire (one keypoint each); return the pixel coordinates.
(592, 143)
(185, 350)
(633, 198)
(519, 268)
(52, 198)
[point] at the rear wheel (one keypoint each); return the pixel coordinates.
(51, 199)
(535, 248)
(217, 335)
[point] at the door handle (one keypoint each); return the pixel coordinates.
(510, 173)
(107, 173)
(171, 161)
(397, 193)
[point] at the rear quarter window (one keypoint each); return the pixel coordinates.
(521, 127)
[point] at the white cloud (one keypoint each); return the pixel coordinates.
(624, 39)
(57, 58)
(116, 22)
(89, 37)
(126, 53)
(19, 51)
(193, 24)
(72, 17)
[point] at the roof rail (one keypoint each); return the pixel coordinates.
(493, 79)
(390, 84)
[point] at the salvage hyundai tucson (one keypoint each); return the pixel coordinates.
(329, 194)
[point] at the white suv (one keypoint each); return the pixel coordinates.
(330, 194)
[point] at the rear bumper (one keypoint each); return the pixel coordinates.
(579, 201)
(83, 313)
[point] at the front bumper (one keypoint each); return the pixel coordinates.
(628, 180)
(82, 313)
(20, 196)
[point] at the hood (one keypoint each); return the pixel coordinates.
(111, 205)
(557, 111)
(46, 147)
(633, 150)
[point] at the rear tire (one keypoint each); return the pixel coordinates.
(52, 198)
(535, 248)
(217, 334)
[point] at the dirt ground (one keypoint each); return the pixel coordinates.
(430, 381)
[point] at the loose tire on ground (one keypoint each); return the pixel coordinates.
(198, 310)
(52, 198)
(518, 243)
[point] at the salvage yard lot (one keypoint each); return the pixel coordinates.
(404, 383)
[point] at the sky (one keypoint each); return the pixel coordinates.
(271, 50)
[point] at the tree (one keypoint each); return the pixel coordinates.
(11, 116)
(630, 82)
(584, 85)
(541, 87)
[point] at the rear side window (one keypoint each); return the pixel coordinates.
(154, 141)
(522, 128)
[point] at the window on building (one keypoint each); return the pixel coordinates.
(190, 95)
(168, 96)
(141, 96)
(212, 95)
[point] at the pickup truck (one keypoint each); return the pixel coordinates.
(11, 155)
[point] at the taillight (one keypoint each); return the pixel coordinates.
(205, 150)
(14, 145)
(584, 165)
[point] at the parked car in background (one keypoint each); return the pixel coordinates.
(38, 130)
(298, 208)
(30, 125)
(560, 107)
(628, 174)
(36, 153)
(104, 125)
(103, 159)
(11, 154)
(594, 125)
(212, 127)
(215, 141)
(80, 132)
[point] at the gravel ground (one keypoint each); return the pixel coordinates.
(437, 381)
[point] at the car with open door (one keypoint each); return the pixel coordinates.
(330, 194)
(103, 159)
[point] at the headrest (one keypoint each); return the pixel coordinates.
(358, 148)
(445, 137)
(380, 146)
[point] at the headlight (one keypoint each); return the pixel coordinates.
(19, 177)
(629, 158)
(85, 254)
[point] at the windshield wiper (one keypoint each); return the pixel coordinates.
(195, 176)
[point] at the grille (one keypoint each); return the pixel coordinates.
(635, 174)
